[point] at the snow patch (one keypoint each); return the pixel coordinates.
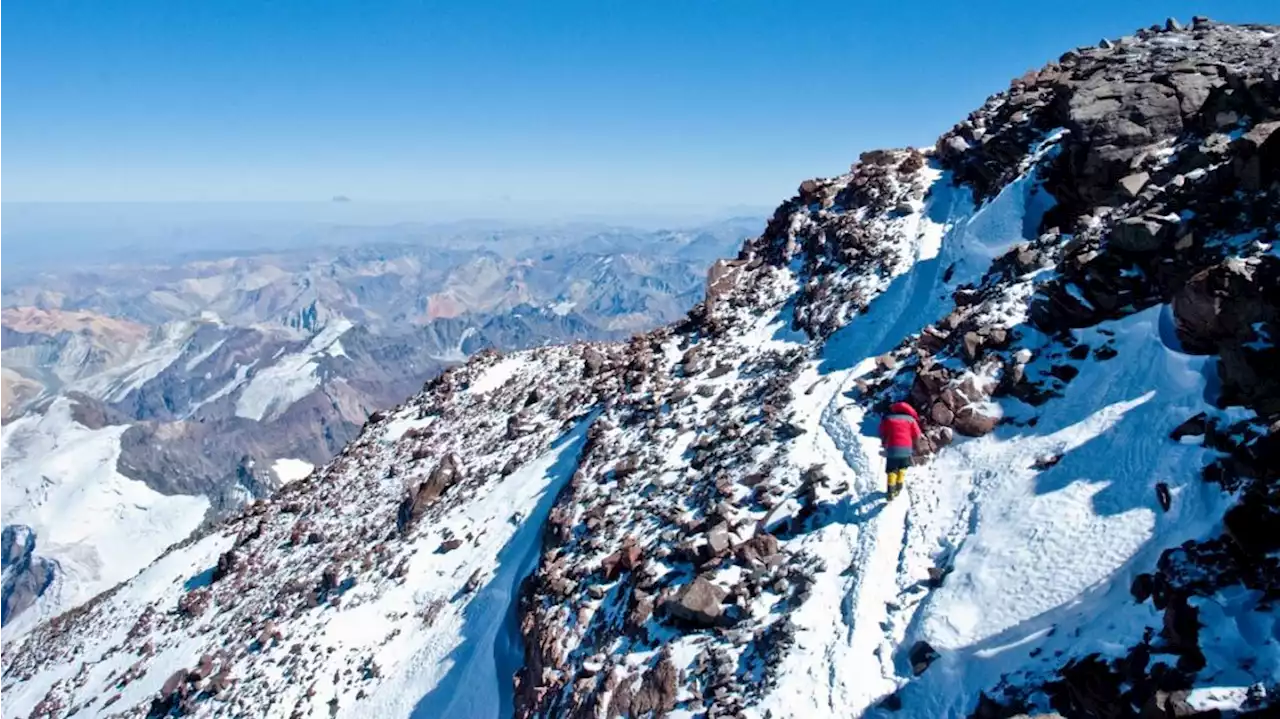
(195, 361)
(1038, 555)
(1205, 699)
(562, 308)
(498, 374)
(274, 389)
(291, 470)
(457, 353)
(242, 373)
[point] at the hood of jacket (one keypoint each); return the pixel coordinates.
(904, 408)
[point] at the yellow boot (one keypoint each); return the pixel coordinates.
(895, 483)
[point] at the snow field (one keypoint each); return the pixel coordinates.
(273, 389)
(55, 469)
(1046, 553)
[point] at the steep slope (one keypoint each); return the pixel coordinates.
(1078, 287)
(95, 525)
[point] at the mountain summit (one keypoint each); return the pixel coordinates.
(1078, 289)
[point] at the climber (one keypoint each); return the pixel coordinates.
(898, 431)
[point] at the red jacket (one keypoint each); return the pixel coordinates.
(900, 428)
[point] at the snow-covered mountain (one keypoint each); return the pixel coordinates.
(135, 433)
(1078, 287)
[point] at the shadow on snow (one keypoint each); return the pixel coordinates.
(479, 682)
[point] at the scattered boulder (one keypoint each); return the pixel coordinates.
(520, 424)
(718, 540)
(1143, 587)
(194, 603)
(972, 346)
(658, 690)
(592, 362)
(445, 475)
(761, 548)
(1181, 633)
(1214, 306)
(1046, 461)
(921, 656)
(720, 370)
(972, 423)
(1140, 234)
(1252, 526)
(1166, 704)
(1193, 427)
(937, 575)
(698, 602)
(626, 466)
(626, 559)
(721, 278)
(1131, 185)
(640, 611)
(227, 564)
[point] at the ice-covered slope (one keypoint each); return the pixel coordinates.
(1078, 288)
(97, 525)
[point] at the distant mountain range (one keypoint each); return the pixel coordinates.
(159, 396)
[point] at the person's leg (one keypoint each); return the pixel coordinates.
(895, 467)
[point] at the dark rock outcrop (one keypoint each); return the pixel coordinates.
(699, 602)
(26, 574)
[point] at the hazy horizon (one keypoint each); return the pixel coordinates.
(40, 236)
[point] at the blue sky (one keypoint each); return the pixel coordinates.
(603, 104)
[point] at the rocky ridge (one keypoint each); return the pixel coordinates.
(687, 563)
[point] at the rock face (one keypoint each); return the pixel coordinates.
(26, 575)
(715, 540)
(1230, 309)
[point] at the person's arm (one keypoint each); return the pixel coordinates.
(915, 430)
